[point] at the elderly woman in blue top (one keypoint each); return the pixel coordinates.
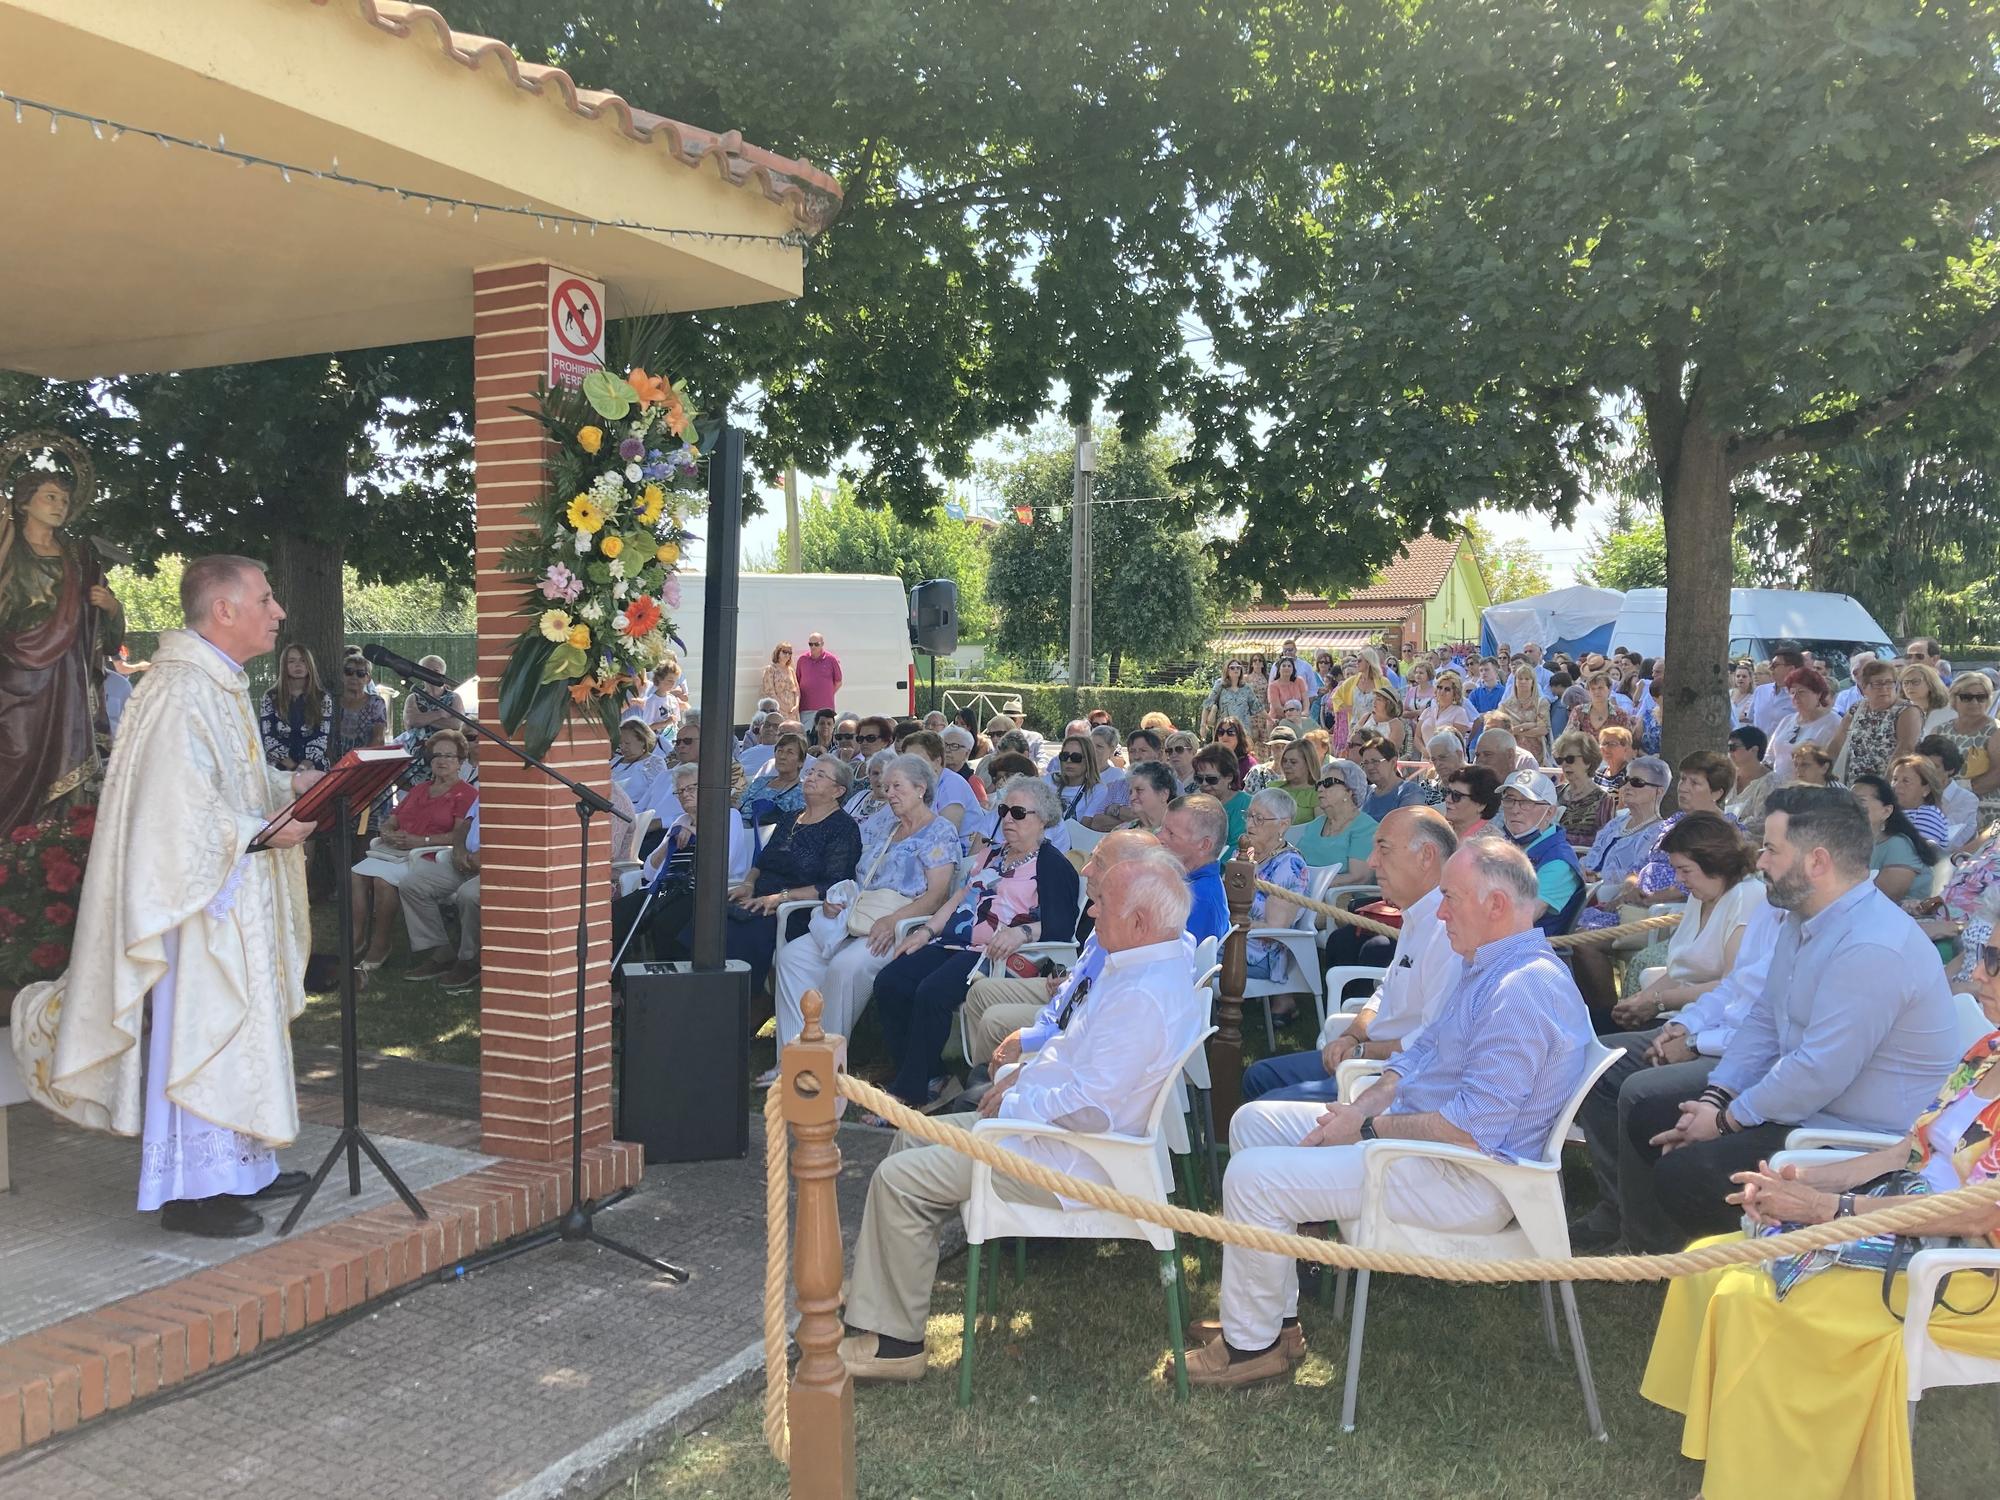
(1341, 834)
(1021, 889)
(914, 857)
(779, 785)
(1264, 828)
(1623, 845)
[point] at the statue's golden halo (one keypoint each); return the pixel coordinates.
(24, 446)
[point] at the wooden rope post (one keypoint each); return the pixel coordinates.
(821, 1409)
(1225, 1048)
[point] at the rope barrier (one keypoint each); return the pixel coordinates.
(777, 1272)
(1621, 1268)
(1591, 938)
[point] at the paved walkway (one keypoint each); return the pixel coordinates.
(71, 1240)
(545, 1375)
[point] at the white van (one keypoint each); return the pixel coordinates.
(864, 618)
(1831, 626)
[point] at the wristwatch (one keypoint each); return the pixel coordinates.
(1844, 1209)
(1368, 1128)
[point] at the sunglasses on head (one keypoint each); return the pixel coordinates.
(1018, 814)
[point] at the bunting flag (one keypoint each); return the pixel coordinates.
(1025, 514)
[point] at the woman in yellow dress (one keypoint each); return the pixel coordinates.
(1805, 1398)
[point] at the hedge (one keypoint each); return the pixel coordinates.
(1048, 706)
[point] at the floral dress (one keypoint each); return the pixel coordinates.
(1267, 957)
(287, 736)
(354, 729)
(1871, 740)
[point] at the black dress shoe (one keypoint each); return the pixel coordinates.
(219, 1218)
(284, 1185)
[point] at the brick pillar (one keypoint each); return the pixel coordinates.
(528, 824)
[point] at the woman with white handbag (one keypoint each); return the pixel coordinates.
(906, 871)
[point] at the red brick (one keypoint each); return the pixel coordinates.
(87, 1362)
(366, 1260)
(305, 1273)
(123, 1350)
(159, 1346)
(259, 1307)
(48, 1379)
(212, 1313)
(11, 1439)
(32, 1387)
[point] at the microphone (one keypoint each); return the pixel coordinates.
(404, 668)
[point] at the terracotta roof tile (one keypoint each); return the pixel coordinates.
(1310, 610)
(812, 196)
(1417, 573)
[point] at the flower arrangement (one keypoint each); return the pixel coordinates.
(41, 872)
(600, 562)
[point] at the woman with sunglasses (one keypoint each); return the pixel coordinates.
(1342, 835)
(1977, 737)
(1078, 790)
(360, 722)
(1616, 856)
(1745, 800)
(1215, 774)
(1586, 806)
(1231, 698)
(1265, 826)
(1804, 1395)
(1231, 736)
(1447, 709)
(781, 681)
(1471, 801)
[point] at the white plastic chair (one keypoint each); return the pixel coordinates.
(1332, 1003)
(1063, 953)
(1540, 1228)
(626, 863)
(1972, 1022)
(1134, 1164)
(1079, 840)
(1301, 941)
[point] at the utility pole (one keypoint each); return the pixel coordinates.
(794, 544)
(1079, 559)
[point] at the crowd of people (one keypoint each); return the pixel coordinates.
(1833, 867)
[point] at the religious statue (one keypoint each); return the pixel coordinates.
(58, 623)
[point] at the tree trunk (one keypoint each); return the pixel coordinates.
(1700, 517)
(306, 577)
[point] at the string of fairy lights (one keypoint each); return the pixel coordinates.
(108, 130)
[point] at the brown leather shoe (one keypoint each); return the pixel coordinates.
(857, 1352)
(1211, 1365)
(1291, 1337)
(432, 968)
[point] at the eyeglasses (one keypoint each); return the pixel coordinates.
(1971, 697)
(1208, 781)
(1331, 781)
(868, 739)
(354, 671)
(1453, 794)
(1989, 961)
(1072, 757)
(1018, 814)
(1568, 760)
(1220, 733)
(1265, 818)
(843, 739)
(1634, 784)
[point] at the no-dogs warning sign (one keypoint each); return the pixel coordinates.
(576, 328)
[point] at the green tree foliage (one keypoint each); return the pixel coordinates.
(1767, 228)
(1152, 583)
(838, 534)
(310, 464)
(1026, 195)
(1636, 558)
(1514, 570)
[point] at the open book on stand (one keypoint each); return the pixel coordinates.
(360, 775)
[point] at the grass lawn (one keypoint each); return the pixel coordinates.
(396, 1015)
(1461, 1397)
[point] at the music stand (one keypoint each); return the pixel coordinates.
(352, 779)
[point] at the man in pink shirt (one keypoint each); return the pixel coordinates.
(819, 676)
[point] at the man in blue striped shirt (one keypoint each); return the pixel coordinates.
(1507, 1051)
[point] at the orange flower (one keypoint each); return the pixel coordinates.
(579, 691)
(641, 615)
(677, 417)
(653, 389)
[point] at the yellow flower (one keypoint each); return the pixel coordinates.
(555, 625)
(668, 553)
(611, 546)
(579, 637)
(584, 514)
(590, 439)
(652, 500)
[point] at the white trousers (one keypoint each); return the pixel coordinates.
(183, 1156)
(840, 967)
(1274, 1181)
(431, 883)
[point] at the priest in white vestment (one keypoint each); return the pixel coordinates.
(176, 911)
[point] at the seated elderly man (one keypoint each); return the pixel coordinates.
(1530, 812)
(1387, 790)
(1491, 1072)
(1101, 1073)
(1854, 1029)
(1412, 846)
(1501, 754)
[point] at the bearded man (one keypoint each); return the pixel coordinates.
(176, 909)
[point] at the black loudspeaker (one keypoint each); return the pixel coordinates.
(684, 1062)
(934, 616)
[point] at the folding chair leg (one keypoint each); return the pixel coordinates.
(1354, 1332)
(1270, 1028)
(1021, 1259)
(1170, 1274)
(1209, 1146)
(1583, 1374)
(1340, 1295)
(969, 1339)
(1549, 1318)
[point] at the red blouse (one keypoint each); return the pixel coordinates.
(430, 816)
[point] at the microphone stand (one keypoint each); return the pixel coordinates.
(577, 1225)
